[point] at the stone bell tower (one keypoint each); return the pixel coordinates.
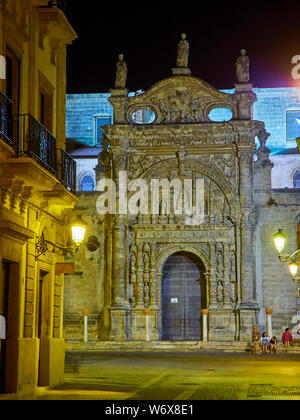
(160, 262)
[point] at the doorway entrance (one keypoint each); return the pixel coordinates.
(183, 296)
(42, 324)
(4, 279)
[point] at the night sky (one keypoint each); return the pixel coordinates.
(147, 33)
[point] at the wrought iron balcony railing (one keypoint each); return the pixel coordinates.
(28, 137)
(6, 119)
(37, 142)
(67, 170)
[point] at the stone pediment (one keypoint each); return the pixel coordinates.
(180, 99)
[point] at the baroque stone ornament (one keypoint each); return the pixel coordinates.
(243, 68)
(182, 100)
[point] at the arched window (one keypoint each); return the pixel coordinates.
(87, 184)
(297, 180)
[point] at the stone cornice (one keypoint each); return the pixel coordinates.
(53, 23)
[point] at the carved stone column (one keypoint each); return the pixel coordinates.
(247, 266)
(119, 229)
(139, 279)
(119, 305)
(211, 278)
(246, 230)
(227, 294)
(153, 284)
(119, 263)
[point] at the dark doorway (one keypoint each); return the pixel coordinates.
(183, 297)
(42, 323)
(4, 280)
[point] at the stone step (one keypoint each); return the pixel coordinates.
(132, 346)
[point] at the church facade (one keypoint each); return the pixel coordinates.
(169, 267)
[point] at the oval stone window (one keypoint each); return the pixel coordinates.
(220, 114)
(143, 116)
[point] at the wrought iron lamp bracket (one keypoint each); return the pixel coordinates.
(43, 246)
(289, 258)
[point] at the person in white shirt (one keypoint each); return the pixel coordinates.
(296, 337)
(265, 342)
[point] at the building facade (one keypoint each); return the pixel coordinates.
(160, 263)
(37, 185)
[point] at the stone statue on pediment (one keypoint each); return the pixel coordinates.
(183, 52)
(121, 75)
(243, 68)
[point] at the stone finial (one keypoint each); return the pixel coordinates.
(243, 68)
(269, 311)
(121, 74)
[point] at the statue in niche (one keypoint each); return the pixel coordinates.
(146, 294)
(219, 261)
(121, 76)
(133, 268)
(220, 293)
(146, 261)
(243, 68)
(183, 52)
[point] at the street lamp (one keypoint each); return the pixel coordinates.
(279, 240)
(78, 234)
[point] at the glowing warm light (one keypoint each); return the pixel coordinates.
(78, 231)
(279, 240)
(293, 268)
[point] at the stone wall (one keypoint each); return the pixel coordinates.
(271, 107)
(285, 167)
(85, 290)
(81, 111)
(274, 286)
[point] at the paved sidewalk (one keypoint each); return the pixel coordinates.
(177, 377)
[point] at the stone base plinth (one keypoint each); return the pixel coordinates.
(143, 329)
(222, 325)
(247, 319)
(119, 322)
(181, 72)
(119, 92)
(243, 87)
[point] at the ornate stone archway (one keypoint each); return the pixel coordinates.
(183, 142)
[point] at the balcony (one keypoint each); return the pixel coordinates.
(28, 137)
(67, 170)
(6, 120)
(37, 142)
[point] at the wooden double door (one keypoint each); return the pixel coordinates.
(183, 297)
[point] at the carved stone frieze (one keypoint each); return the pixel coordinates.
(182, 99)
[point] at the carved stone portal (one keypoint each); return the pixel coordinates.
(183, 143)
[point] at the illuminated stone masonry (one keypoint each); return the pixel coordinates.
(152, 275)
